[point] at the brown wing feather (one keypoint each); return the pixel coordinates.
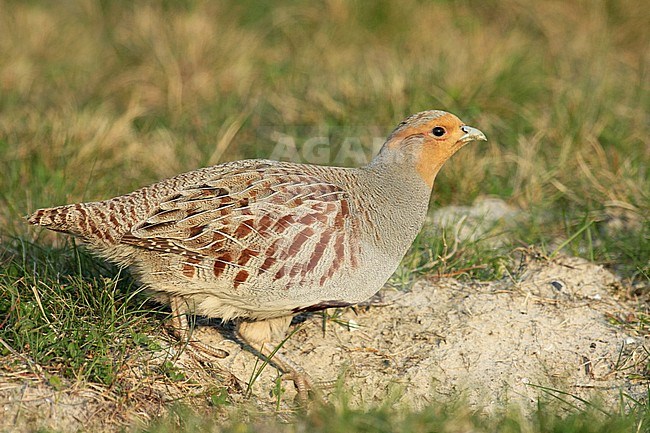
(255, 226)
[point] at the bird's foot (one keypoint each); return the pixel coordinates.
(181, 330)
(199, 350)
(304, 386)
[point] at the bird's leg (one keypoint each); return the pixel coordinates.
(181, 330)
(259, 334)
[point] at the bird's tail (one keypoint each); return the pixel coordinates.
(72, 218)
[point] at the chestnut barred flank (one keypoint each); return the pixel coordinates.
(278, 227)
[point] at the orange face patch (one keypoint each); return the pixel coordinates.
(441, 137)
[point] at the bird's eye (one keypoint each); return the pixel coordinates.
(438, 131)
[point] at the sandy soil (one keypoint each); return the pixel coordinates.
(494, 344)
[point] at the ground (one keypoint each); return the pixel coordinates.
(550, 329)
(495, 344)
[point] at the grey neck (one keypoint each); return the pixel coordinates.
(398, 200)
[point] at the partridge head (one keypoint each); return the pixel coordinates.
(427, 140)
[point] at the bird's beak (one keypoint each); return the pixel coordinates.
(471, 134)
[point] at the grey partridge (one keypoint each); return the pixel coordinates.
(260, 241)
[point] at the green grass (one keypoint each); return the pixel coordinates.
(68, 313)
(98, 98)
(341, 417)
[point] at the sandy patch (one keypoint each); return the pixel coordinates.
(495, 343)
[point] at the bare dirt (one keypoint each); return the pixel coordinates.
(494, 344)
(553, 328)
